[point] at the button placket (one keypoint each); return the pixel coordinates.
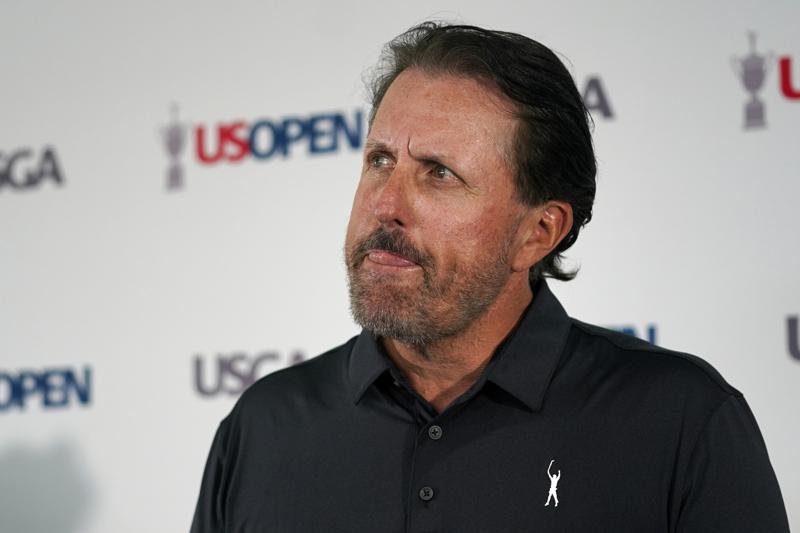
(427, 481)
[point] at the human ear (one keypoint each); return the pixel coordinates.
(541, 230)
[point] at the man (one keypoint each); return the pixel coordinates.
(469, 377)
(553, 485)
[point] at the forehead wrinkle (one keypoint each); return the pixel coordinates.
(461, 156)
(502, 141)
(445, 140)
(427, 154)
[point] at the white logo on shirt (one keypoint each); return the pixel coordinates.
(553, 484)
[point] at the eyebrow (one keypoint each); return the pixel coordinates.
(430, 156)
(372, 144)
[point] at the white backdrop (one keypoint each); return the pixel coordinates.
(132, 313)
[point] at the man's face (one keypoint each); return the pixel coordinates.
(435, 213)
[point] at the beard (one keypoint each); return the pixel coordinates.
(443, 304)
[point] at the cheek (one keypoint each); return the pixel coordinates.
(457, 242)
(472, 241)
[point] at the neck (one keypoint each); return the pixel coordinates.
(444, 370)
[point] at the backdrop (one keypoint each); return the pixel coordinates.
(176, 178)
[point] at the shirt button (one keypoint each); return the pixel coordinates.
(426, 494)
(435, 432)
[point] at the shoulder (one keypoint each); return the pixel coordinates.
(316, 381)
(627, 362)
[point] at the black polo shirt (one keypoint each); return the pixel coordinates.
(571, 428)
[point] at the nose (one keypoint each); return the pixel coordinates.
(392, 203)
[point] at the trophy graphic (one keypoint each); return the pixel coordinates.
(752, 70)
(174, 135)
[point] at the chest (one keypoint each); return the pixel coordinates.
(468, 472)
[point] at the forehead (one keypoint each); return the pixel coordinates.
(443, 112)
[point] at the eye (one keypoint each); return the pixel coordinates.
(379, 160)
(441, 172)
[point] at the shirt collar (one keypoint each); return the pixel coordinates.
(368, 361)
(526, 362)
(523, 365)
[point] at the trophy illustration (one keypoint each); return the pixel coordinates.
(174, 140)
(752, 70)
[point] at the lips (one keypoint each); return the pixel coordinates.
(385, 258)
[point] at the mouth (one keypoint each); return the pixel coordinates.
(392, 253)
(389, 259)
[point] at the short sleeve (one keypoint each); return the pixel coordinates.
(731, 485)
(209, 513)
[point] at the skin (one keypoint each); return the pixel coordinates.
(435, 171)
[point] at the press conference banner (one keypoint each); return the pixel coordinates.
(176, 179)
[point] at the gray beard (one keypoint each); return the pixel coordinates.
(440, 307)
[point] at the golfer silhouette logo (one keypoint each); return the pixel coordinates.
(553, 484)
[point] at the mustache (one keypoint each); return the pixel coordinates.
(394, 242)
